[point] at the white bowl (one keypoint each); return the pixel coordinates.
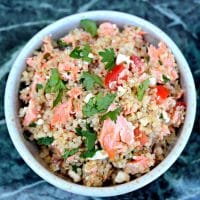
(28, 151)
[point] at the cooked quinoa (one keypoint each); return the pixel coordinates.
(102, 103)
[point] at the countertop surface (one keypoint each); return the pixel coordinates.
(21, 19)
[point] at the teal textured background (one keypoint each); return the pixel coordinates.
(21, 19)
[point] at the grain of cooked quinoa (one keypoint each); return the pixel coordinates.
(102, 103)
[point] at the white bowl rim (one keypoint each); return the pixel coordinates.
(109, 190)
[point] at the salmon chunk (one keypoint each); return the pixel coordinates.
(140, 164)
(31, 113)
(61, 113)
(114, 136)
(107, 29)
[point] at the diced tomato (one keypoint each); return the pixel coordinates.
(162, 92)
(140, 136)
(114, 74)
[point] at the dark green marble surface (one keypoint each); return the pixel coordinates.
(21, 19)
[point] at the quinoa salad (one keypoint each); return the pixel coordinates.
(102, 104)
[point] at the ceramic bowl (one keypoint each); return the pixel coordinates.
(29, 152)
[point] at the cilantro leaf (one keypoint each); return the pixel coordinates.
(89, 80)
(142, 88)
(108, 57)
(33, 124)
(111, 114)
(39, 87)
(76, 52)
(68, 153)
(45, 140)
(74, 168)
(55, 85)
(165, 79)
(103, 102)
(89, 26)
(88, 153)
(78, 131)
(58, 98)
(161, 116)
(90, 138)
(62, 44)
(90, 109)
(83, 53)
(98, 104)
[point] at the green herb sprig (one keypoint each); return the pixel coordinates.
(89, 80)
(55, 85)
(45, 141)
(68, 153)
(82, 53)
(98, 104)
(108, 57)
(90, 138)
(112, 115)
(89, 26)
(142, 88)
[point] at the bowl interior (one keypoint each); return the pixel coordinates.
(56, 34)
(29, 151)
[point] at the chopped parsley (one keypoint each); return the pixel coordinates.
(78, 131)
(90, 138)
(39, 87)
(45, 141)
(165, 79)
(82, 53)
(103, 102)
(89, 26)
(76, 53)
(88, 153)
(74, 168)
(98, 104)
(111, 114)
(55, 85)
(90, 109)
(58, 98)
(161, 116)
(33, 124)
(108, 57)
(141, 89)
(89, 80)
(68, 153)
(62, 44)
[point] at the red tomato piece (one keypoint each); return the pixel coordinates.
(114, 74)
(162, 92)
